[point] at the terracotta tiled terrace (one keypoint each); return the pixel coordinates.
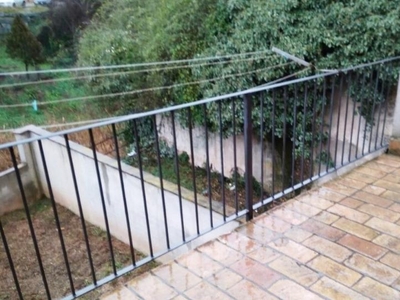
(337, 241)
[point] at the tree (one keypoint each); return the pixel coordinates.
(67, 18)
(21, 44)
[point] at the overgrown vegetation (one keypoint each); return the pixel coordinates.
(329, 34)
(21, 44)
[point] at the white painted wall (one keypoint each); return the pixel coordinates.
(199, 144)
(10, 194)
(64, 192)
(347, 132)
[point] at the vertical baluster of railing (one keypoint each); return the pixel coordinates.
(58, 225)
(122, 183)
(196, 206)
(160, 172)
(346, 115)
(285, 96)
(221, 147)
(262, 97)
(248, 147)
(30, 224)
(10, 261)
(304, 132)
(373, 108)
(357, 77)
(208, 165)
(338, 117)
(360, 114)
(82, 217)
(139, 157)
(103, 201)
(321, 131)
(273, 142)
(382, 99)
(234, 156)
(330, 122)
(386, 103)
(177, 174)
(366, 111)
(314, 119)
(296, 89)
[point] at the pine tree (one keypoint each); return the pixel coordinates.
(21, 44)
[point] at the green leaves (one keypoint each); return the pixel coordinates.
(21, 44)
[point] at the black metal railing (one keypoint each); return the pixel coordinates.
(296, 132)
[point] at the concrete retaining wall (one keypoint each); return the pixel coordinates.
(10, 195)
(89, 193)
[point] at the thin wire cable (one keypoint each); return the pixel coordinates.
(64, 124)
(113, 118)
(136, 65)
(97, 97)
(11, 85)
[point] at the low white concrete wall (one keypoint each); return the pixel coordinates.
(164, 126)
(353, 132)
(64, 193)
(10, 194)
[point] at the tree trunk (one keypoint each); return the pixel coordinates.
(26, 68)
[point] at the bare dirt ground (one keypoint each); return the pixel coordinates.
(21, 246)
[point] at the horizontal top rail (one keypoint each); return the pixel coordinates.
(195, 103)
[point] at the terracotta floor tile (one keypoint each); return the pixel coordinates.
(351, 202)
(220, 252)
(205, 291)
(273, 223)
(374, 190)
(329, 194)
(264, 255)
(326, 217)
(239, 242)
(392, 260)
(289, 290)
(314, 200)
(297, 234)
(256, 272)
(335, 291)
(376, 290)
(334, 270)
(323, 230)
(372, 199)
(289, 216)
(327, 248)
(389, 242)
(259, 233)
(362, 246)
(349, 213)
(303, 208)
(199, 264)
(177, 276)
(150, 287)
(293, 249)
(295, 271)
(247, 290)
(366, 178)
(379, 212)
(372, 268)
(224, 279)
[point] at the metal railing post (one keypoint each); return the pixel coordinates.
(248, 149)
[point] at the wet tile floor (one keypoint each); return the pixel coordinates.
(338, 241)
